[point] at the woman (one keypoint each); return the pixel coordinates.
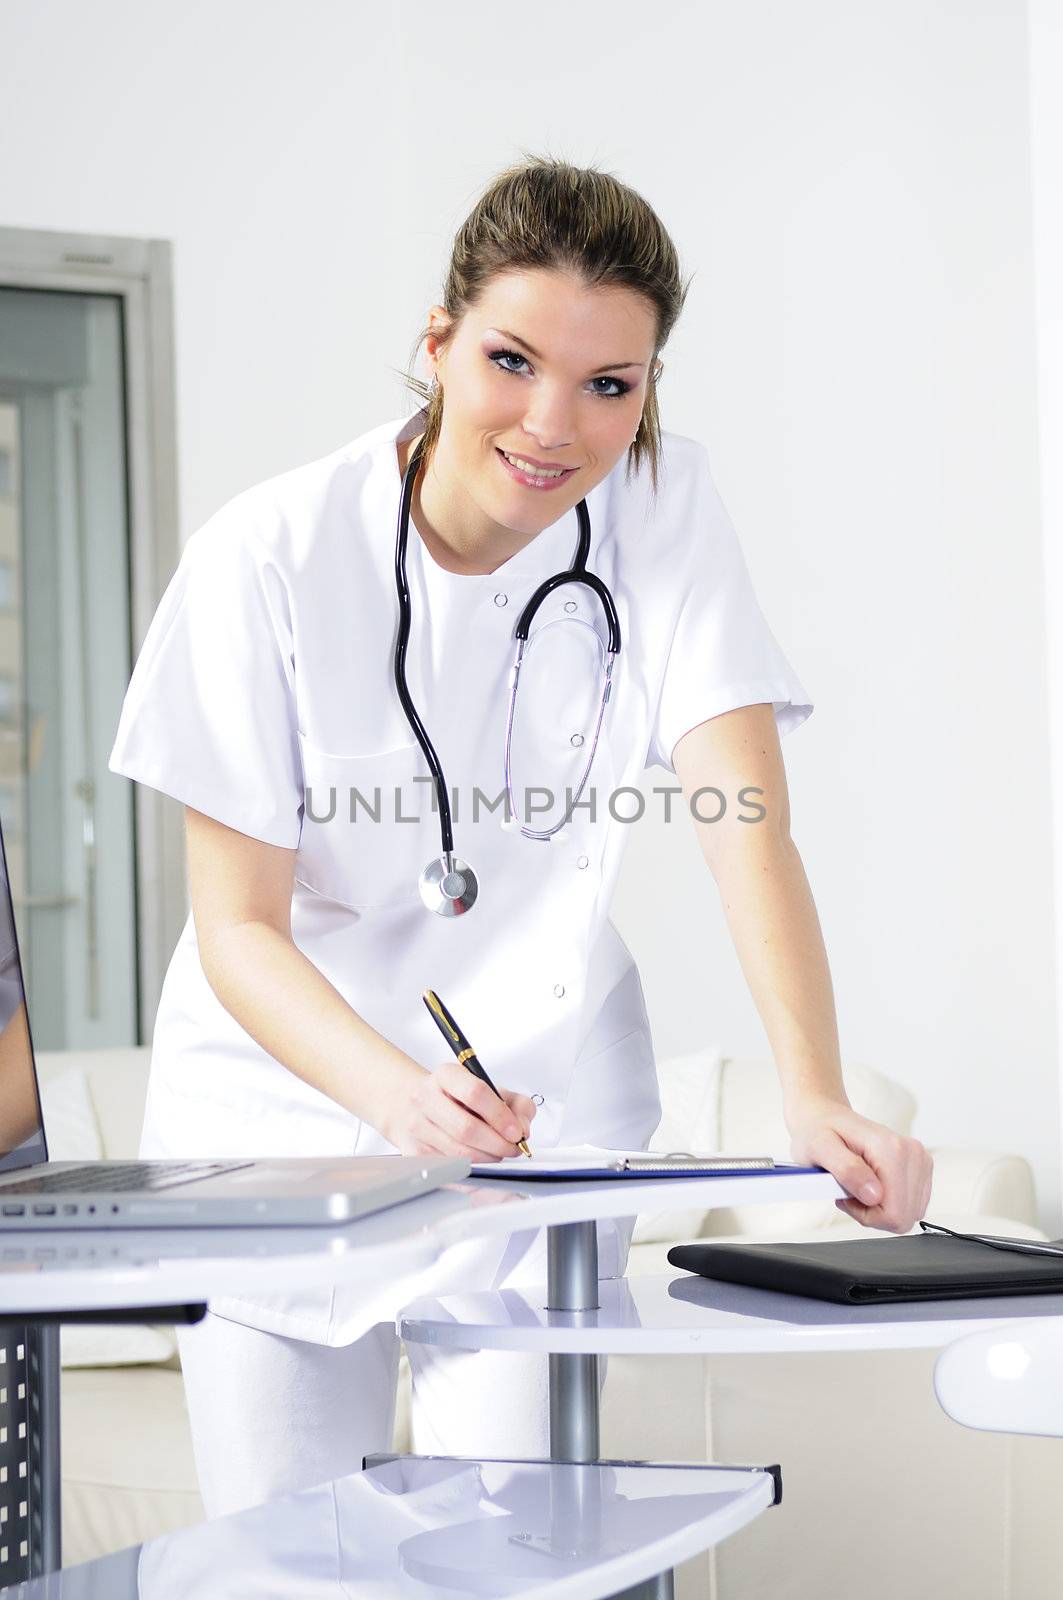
(264, 699)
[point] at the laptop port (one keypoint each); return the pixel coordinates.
(69, 1209)
(43, 1209)
(13, 1210)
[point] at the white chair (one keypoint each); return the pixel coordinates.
(1007, 1381)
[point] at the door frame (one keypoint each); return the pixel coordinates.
(140, 272)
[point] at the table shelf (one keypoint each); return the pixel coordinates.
(442, 1526)
(687, 1314)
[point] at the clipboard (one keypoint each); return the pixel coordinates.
(596, 1163)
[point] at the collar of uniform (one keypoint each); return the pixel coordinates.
(551, 551)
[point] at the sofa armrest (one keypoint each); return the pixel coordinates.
(979, 1182)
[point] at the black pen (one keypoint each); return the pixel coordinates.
(461, 1047)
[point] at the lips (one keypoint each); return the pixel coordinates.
(547, 466)
(543, 485)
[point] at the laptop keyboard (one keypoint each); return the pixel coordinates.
(108, 1177)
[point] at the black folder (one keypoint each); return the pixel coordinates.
(922, 1266)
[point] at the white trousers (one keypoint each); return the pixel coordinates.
(272, 1415)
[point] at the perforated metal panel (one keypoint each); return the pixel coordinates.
(29, 1451)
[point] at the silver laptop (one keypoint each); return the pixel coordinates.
(38, 1193)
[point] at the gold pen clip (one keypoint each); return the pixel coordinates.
(434, 1006)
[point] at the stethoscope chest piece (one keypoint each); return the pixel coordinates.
(448, 892)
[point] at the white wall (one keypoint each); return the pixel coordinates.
(1046, 127)
(851, 184)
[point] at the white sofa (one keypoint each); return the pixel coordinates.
(882, 1493)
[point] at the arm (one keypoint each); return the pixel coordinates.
(241, 893)
(18, 1101)
(775, 928)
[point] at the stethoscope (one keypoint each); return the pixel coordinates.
(449, 885)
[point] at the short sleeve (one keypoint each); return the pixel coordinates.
(209, 716)
(721, 653)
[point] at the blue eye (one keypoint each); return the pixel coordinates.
(621, 389)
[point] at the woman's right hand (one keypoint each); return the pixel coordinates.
(451, 1112)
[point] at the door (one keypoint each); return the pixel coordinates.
(65, 648)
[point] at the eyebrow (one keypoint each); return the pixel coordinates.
(611, 366)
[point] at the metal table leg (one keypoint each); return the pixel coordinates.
(30, 1475)
(46, 1482)
(29, 1451)
(575, 1402)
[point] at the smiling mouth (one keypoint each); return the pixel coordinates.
(528, 471)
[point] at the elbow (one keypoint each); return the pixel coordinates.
(226, 947)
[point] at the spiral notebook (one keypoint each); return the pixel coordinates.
(594, 1161)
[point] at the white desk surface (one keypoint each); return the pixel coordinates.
(385, 1259)
(683, 1314)
(438, 1528)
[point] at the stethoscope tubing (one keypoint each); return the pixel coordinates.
(577, 573)
(401, 642)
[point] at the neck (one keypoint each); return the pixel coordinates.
(457, 536)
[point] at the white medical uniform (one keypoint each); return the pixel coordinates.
(266, 683)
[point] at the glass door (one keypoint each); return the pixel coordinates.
(64, 662)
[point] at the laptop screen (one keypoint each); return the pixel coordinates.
(21, 1126)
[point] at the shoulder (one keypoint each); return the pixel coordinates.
(656, 527)
(285, 519)
(682, 472)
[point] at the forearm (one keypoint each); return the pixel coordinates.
(291, 1009)
(18, 1102)
(777, 936)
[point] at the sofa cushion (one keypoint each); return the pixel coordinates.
(70, 1124)
(98, 1344)
(118, 1082)
(690, 1120)
(127, 1465)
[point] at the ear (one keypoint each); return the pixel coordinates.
(437, 318)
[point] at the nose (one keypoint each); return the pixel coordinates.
(549, 421)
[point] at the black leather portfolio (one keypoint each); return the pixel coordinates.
(923, 1266)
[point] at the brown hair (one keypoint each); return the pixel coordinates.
(545, 213)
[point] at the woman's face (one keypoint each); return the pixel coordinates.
(552, 373)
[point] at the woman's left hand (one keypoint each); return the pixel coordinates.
(888, 1174)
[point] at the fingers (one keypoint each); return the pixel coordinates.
(905, 1181)
(471, 1113)
(456, 1113)
(523, 1106)
(869, 1216)
(854, 1174)
(472, 1136)
(482, 1100)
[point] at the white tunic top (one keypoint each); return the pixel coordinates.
(266, 683)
